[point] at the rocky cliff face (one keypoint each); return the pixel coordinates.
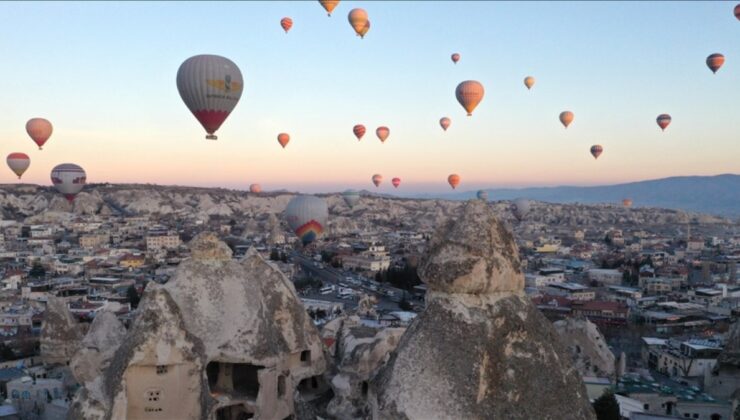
(480, 349)
(61, 334)
(587, 347)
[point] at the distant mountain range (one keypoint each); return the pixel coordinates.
(719, 195)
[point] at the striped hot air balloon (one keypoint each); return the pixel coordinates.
(210, 86)
(455, 58)
(283, 139)
(18, 163)
(383, 133)
(453, 180)
(445, 122)
(68, 179)
(307, 216)
(286, 23)
(255, 188)
(715, 61)
(663, 121)
(351, 197)
(566, 117)
(482, 195)
(529, 82)
(469, 93)
(596, 150)
(377, 179)
(329, 5)
(359, 131)
(40, 130)
(396, 182)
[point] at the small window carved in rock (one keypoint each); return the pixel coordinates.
(306, 356)
(161, 369)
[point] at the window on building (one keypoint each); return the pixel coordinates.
(306, 356)
(15, 394)
(25, 395)
(161, 369)
(153, 395)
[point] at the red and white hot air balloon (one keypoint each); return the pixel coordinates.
(663, 121)
(68, 179)
(469, 93)
(210, 86)
(18, 163)
(283, 139)
(445, 122)
(453, 180)
(596, 150)
(396, 182)
(40, 130)
(566, 117)
(359, 131)
(255, 188)
(286, 23)
(455, 57)
(383, 133)
(377, 179)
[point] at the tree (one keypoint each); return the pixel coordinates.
(37, 270)
(607, 407)
(133, 296)
(404, 304)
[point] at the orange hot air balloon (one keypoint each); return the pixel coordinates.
(453, 180)
(396, 182)
(283, 139)
(364, 30)
(737, 11)
(529, 82)
(18, 163)
(383, 133)
(715, 61)
(627, 202)
(663, 120)
(40, 130)
(377, 179)
(358, 19)
(359, 131)
(286, 23)
(329, 5)
(469, 93)
(445, 123)
(596, 150)
(455, 58)
(255, 188)
(566, 117)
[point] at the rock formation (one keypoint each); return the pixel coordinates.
(105, 335)
(480, 349)
(61, 334)
(587, 347)
(723, 380)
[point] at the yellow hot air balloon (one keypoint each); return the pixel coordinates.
(566, 117)
(329, 5)
(529, 82)
(358, 19)
(469, 93)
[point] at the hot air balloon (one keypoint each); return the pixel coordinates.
(286, 23)
(255, 188)
(521, 208)
(359, 131)
(210, 86)
(663, 120)
(529, 82)
(377, 179)
(455, 58)
(351, 197)
(382, 133)
(482, 195)
(737, 11)
(18, 163)
(307, 216)
(283, 139)
(596, 150)
(365, 29)
(715, 61)
(40, 130)
(566, 117)
(358, 19)
(453, 180)
(329, 5)
(445, 123)
(396, 182)
(627, 202)
(68, 179)
(469, 93)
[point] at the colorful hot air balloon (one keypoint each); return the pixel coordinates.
(358, 19)
(210, 86)
(596, 150)
(445, 123)
(359, 131)
(469, 93)
(377, 179)
(286, 23)
(566, 117)
(351, 197)
(482, 195)
(663, 120)
(627, 202)
(329, 5)
(307, 216)
(453, 180)
(529, 82)
(40, 130)
(68, 179)
(255, 188)
(283, 139)
(396, 182)
(737, 11)
(715, 61)
(18, 163)
(521, 208)
(382, 133)
(455, 58)
(365, 29)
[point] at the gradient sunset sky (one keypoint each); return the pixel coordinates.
(104, 74)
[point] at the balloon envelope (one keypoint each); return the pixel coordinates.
(40, 130)
(596, 151)
(359, 131)
(715, 61)
(210, 86)
(663, 121)
(307, 216)
(453, 180)
(255, 188)
(377, 179)
(445, 123)
(469, 93)
(358, 19)
(737, 11)
(283, 139)
(351, 197)
(455, 58)
(396, 182)
(18, 163)
(286, 23)
(383, 133)
(482, 195)
(329, 5)
(529, 82)
(566, 117)
(68, 179)
(365, 29)
(521, 208)
(627, 202)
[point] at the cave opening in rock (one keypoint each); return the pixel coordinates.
(236, 379)
(233, 412)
